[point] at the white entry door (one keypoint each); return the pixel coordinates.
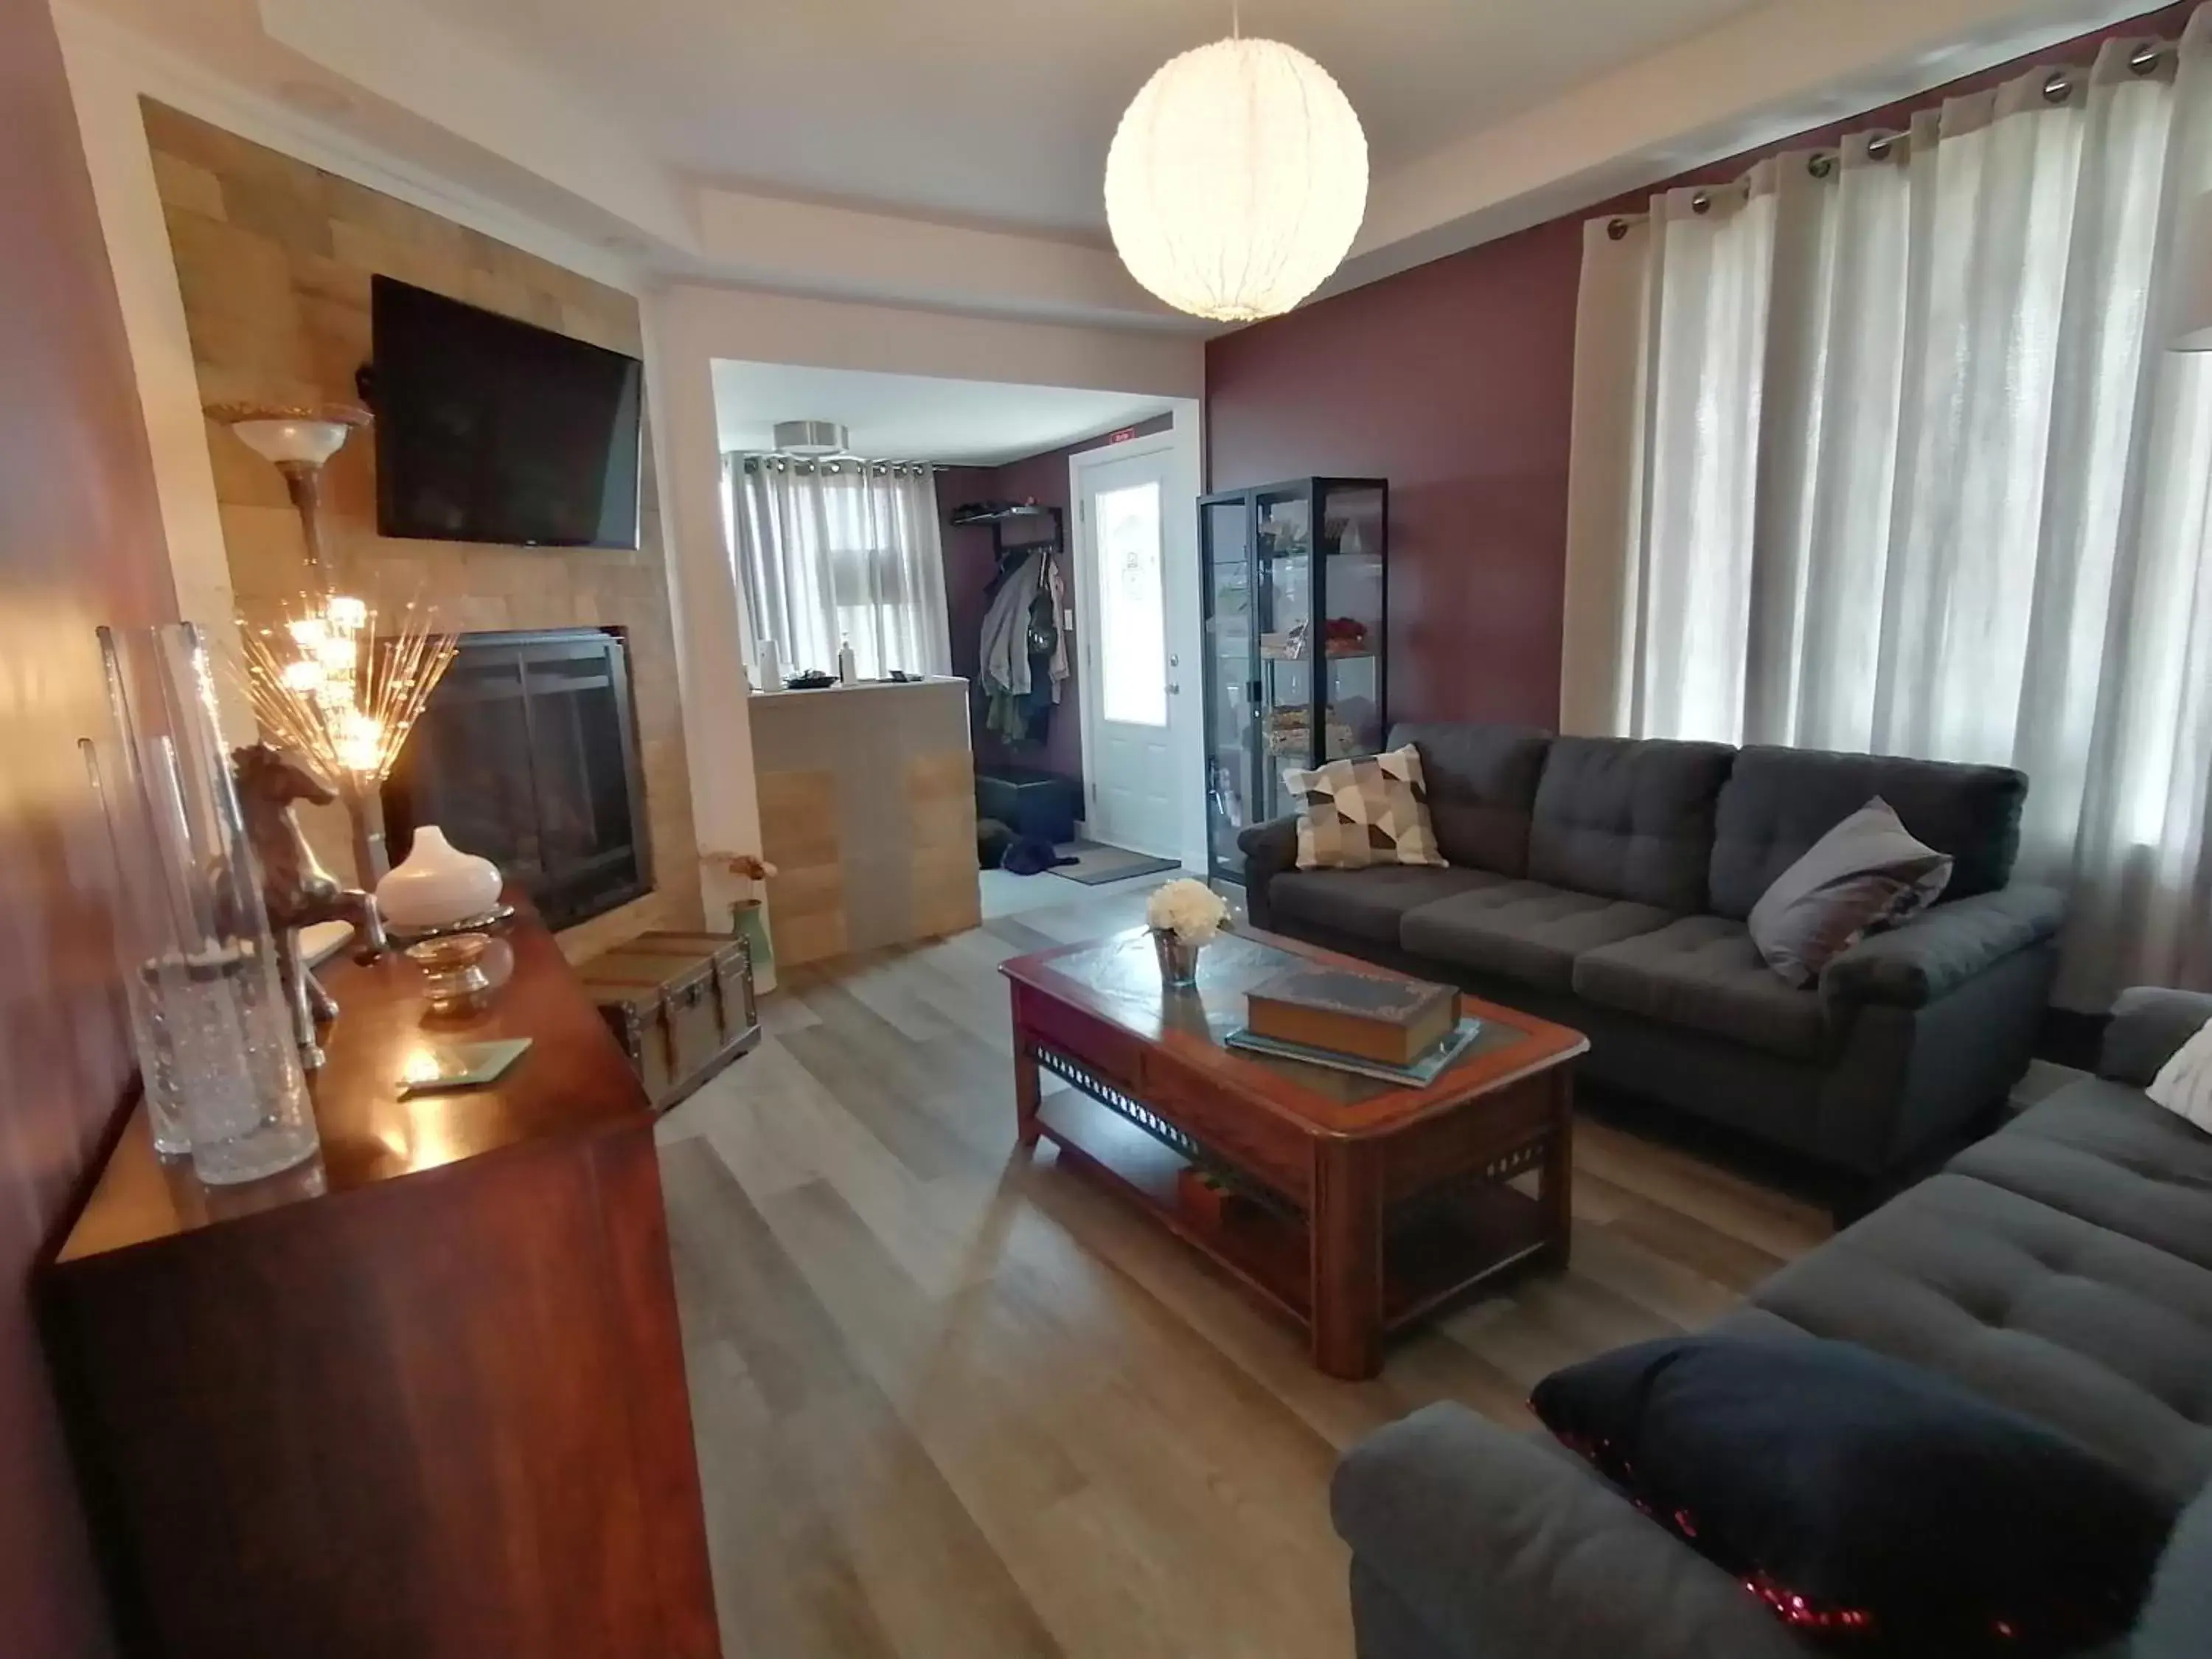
(1127, 563)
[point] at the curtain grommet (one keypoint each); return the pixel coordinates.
(1702, 202)
(2144, 58)
(2058, 90)
(1820, 164)
(1617, 230)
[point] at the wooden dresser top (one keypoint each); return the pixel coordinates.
(573, 1079)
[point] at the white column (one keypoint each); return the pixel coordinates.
(703, 593)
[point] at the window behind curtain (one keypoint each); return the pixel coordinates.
(839, 551)
(1882, 448)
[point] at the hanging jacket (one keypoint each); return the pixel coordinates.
(1056, 585)
(1005, 657)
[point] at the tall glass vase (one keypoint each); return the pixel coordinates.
(214, 1034)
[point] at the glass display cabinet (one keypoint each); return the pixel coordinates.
(1296, 577)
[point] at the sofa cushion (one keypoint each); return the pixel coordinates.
(2101, 1336)
(1706, 973)
(1523, 930)
(1629, 819)
(2176, 1619)
(1368, 904)
(2149, 1024)
(1778, 802)
(1482, 789)
(2112, 1157)
(2184, 1083)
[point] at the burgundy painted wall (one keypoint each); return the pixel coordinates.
(967, 566)
(1455, 381)
(967, 558)
(80, 544)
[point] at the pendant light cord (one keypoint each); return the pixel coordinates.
(1235, 19)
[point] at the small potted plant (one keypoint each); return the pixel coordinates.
(1185, 917)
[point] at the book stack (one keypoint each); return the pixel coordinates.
(1380, 1026)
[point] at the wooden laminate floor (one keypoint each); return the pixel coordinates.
(952, 1402)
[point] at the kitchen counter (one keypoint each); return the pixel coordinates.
(868, 804)
(864, 685)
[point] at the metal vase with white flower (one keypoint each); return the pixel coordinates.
(1185, 917)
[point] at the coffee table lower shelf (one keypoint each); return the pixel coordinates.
(1435, 1248)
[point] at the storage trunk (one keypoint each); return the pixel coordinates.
(680, 1004)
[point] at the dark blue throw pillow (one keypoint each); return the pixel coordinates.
(1865, 1500)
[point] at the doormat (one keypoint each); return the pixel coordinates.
(1096, 864)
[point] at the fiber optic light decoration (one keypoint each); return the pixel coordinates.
(326, 683)
(1237, 180)
(341, 687)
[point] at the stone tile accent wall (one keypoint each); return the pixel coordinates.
(275, 257)
(868, 813)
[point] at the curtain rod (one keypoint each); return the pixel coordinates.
(2058, 85)
(828, 463)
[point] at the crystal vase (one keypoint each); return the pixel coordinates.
(208, 1015)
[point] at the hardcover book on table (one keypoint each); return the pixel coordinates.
(1385, 1017)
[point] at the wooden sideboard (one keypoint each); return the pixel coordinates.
(424, 1397)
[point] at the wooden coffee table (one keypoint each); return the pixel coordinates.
(1356, 1207)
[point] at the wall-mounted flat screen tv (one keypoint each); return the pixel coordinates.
(489, 429)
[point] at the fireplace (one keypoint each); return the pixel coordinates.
(527, 755)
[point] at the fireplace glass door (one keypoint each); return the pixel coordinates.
(527, 755)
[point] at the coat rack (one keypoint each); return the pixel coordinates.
(1006, 555)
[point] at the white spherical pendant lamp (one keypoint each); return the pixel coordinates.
(1237, 180)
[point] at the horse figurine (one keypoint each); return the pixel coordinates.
(296, 888)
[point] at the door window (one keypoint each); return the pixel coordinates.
(1132, 606)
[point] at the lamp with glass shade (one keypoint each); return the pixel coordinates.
(297, 439)
(328, 682)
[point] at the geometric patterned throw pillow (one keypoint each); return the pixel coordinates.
(1353, 813)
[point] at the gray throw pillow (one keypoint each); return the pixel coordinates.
(1865, 873)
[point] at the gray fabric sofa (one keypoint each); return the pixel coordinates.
(2062, 1267)
(1605, 883)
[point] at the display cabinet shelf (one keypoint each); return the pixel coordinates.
(1296, 581)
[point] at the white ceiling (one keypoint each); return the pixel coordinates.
(912, 417)
(1001, 111)
(946, 156)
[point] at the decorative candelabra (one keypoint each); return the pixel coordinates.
(325, 681)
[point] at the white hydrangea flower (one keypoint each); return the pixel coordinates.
(1190, 911)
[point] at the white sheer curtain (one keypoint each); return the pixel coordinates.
(832, 551)
(1882, 449)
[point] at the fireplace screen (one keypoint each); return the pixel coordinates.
(527, 755)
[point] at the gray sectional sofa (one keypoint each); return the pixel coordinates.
(2062, 1267)
(1605, 883)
